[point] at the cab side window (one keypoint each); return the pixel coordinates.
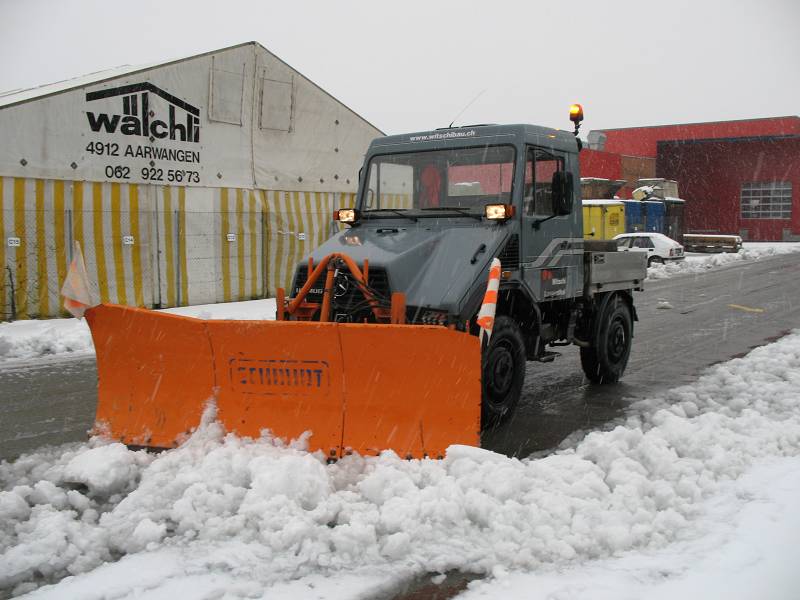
(643, 242)
(540, 166)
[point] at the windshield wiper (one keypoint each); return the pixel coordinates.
(458, 209)
(392, 210)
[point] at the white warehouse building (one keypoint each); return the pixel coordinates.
(193, 181)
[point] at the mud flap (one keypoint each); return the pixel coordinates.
(356, 387)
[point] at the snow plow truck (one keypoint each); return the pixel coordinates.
(401, 331)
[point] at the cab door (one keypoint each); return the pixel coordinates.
(552, 247)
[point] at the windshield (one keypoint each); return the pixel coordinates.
(463, 178)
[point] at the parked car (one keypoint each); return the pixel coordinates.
(659, 248)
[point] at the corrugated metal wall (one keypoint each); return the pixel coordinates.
(154, 246)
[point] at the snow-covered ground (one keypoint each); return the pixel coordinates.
(26, 340)
(693, 495)
(745, 547)
(696, 262)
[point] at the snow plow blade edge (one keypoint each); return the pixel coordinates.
(356, 387)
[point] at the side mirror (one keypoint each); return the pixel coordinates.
(562, 186)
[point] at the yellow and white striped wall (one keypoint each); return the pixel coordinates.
(245, 244)
(154, 246)
(38, 222)
(396, 201)
(295, 224)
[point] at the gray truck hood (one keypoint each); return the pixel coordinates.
(431, 265)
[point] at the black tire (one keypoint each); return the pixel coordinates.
(655, 260)
(606, 362)
(502, 372)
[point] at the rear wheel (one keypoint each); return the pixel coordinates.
(503, 372)
(606, 362)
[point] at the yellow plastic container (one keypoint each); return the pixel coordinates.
(603, 219)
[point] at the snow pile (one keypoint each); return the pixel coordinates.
(257, 512)
(24, 340)
(247, 310)
(745, 548)
(700, 263)
(32, 339)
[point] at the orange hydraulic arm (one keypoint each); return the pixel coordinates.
(302, 310)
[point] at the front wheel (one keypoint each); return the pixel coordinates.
(503, 372)
(606, 361)
(655, 260)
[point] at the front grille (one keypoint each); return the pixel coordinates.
(509, 257)
(346, 292)
(300, 278)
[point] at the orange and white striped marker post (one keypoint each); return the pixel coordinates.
(489, 306)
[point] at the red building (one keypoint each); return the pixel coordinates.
(738, 177)
(608, 165)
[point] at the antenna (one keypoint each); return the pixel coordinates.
(471, 102)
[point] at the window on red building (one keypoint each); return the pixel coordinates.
(766, 200)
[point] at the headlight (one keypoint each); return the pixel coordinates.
(345, 215)
(499, 212)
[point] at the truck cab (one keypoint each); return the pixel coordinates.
(530, 168)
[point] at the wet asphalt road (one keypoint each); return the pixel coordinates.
(715, 316)
(49, 402)
(52, 401)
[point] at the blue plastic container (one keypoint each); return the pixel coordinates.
(634, 216)
(655, 213)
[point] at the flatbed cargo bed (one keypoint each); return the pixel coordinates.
(608, 271)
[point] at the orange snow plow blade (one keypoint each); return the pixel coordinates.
(364, 388)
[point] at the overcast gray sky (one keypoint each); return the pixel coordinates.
(412, 65)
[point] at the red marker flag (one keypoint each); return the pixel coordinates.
(76, 289)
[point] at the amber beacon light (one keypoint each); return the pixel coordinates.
(576, 113)
(576, 116)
